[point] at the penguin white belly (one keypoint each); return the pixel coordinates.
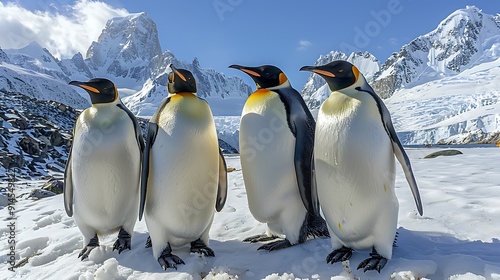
(106, 168)
(355, 176)
(267, 148)
(183, 181)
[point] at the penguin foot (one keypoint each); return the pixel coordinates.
(316, 226)
(149, 244)
(167, 259)
(93, 243)
(375, 262)
(123, 242)
(260, 238)
(276, 245)
(339, 255)
(199, 247)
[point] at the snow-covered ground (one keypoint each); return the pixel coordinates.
(457, 238)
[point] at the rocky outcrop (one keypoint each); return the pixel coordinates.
(36, 135)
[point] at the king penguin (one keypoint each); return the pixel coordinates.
(101, 180)
(355, 167)
(184, 177)
(276, 152)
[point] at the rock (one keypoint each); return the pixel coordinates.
(39, 193)
(9, 160)
(56, 138)
(38, 160)
(226, 148)
(493, 138)
(4, 200)
(29, 145)
(444, 153)
(53, 185)
(44, 140)
(19, 123)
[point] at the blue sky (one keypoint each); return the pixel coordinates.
(288, 34)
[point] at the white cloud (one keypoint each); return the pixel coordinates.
(393, 41)
(62, 34)
(304, 44)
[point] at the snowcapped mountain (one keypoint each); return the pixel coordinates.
(127, 52)
(464, 108)
(226, 95)
(458, 43)
(315, 91)
(442, 87)
(34, 57)
(4, 57)
(126, 48)
(36, 73)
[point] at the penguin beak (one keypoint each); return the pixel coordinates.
(317, 70)
(249, 70)
(85, 86)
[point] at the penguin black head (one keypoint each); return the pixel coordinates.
(265, 76)
(180, 80)
(338, 74)
(100, 90)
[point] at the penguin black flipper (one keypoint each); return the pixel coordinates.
(150, 139)
(397, 147)
(222, 187)
(302, 125)
(68, 186)
(137, 127)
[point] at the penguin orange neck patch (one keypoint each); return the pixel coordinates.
(257, 96)
(184, 94)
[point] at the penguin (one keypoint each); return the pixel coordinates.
(276, 141)
(101, 179)
(184, 176)
(355, 144)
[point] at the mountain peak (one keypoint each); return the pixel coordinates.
(125, 41)
(456, 44)
(4, 57)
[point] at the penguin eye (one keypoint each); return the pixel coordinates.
(341, 70)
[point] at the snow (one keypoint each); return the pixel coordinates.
(39, 85)
(450, 106)
(457, 238)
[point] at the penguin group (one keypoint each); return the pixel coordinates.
(333, 177)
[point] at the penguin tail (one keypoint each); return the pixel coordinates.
(316, 226)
